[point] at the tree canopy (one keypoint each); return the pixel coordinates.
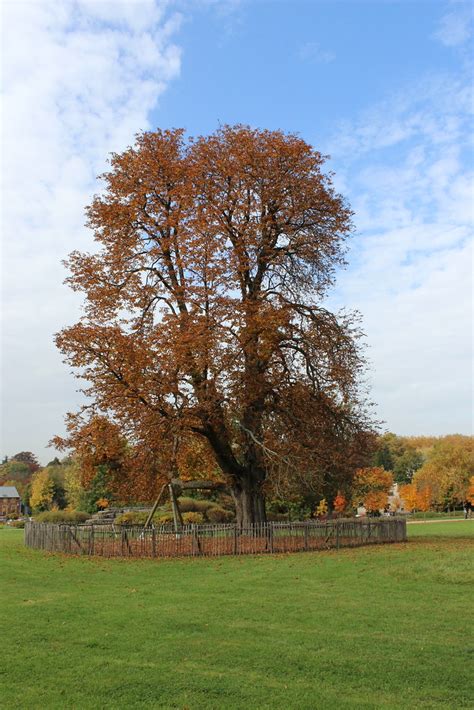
(399, 455)
(28, 458)
(448, 470)
(204, 321)
(371, 487)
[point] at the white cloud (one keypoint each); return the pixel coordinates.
(455, 27)
(404, 168)
(80, 79)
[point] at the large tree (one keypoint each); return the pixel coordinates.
(204, 313)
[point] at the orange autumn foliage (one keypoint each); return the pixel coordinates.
(135, 471)
(375, 500)
(371, 486)
(415, 499)
(339, 503)
(203, 320)
(423, 500)
(409, 496)
(470, 491)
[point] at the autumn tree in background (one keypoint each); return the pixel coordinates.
(28, 458)
(424, 498)
(470, 491)
(447, 470)
(15, 471)
(339, 504)
(409, 496)
(415, 499)
(399, 455)
(204, 317)
(47, 489)
(73, 484)
(371, 487)
(406, 465)
(42, 491)
(327, 472)
(321, 508)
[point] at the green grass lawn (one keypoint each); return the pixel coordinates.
(458, 528)
(433, 515)
(375, 627)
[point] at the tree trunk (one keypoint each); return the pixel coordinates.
(249, 503)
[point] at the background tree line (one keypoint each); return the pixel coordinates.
(434, 473)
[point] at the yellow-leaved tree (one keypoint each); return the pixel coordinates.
(321, 508)
(73, 485)
(448, 470)
(42, 491)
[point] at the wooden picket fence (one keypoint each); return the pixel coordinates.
(212, 540)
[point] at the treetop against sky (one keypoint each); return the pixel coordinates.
(384, 88)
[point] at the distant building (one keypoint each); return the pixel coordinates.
(10, 502)
(395, 502)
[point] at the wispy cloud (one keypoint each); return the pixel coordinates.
(313, 52)
(405, 166)
(80, 78)
(227, 16)
(455, 27)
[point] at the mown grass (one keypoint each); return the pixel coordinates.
(458, 528)
(376, 627)
(434, 515)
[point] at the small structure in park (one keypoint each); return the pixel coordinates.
(10, 502)
(175, 487)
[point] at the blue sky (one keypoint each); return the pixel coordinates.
(385, 88)
(300, 66)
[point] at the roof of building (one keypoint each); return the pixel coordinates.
(9, 492)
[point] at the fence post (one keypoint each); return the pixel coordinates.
(193, 539)
(235, 539)
(153, 542)
(306, 531)
(337, 534)
(91, 541)
(196, 547)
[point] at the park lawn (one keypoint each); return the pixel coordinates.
(454, 528)
(375, 627)
(435, 515)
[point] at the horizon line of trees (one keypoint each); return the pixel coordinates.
(433, 473)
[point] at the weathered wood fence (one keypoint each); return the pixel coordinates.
(212, 540)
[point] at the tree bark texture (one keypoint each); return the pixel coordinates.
(249, 502)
